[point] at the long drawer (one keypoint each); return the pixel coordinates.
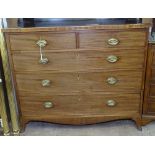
(109, 104)
(46, 83)
(27, 41)
(70, 60)
(102, 39)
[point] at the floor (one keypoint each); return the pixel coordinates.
(114, 128)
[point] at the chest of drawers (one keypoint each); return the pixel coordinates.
(78, 74)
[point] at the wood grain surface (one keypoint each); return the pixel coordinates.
(79, 82)
(74, 60)
(78, 28)
(100, 38)
(80, 105)
(78, 71)
(54, 41)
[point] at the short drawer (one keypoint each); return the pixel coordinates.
(107, 104)
(102, 39)
(79, 60)
(112, 81)
(28, 42)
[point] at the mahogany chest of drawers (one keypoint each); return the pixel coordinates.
(77, 74)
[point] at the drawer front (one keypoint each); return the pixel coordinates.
(79, 60)
(28, 42)
(79, 82)
(101, 39)
(109, 104)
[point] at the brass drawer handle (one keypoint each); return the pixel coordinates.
(48, 105)
(112, 58)
(46, 83)
(111, 103)
(112, 80)
(42, 43)
(113, 41)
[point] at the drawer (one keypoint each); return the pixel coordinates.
(79, 82)
(107, 104)
(28, 41)
(101, 39)
(79, 60)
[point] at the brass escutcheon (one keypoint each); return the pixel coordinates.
(46, 83)
(48, 105)
(41, 43)
(113, 41)
(112, 58)
(111, 103)
(111, 80)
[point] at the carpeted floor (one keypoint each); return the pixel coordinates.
(114, 128)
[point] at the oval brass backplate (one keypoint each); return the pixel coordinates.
(113, 41)
(45, 83)
(41, 43)
(112, 80)
(48, 105)
(112, 58)
(111, 103)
